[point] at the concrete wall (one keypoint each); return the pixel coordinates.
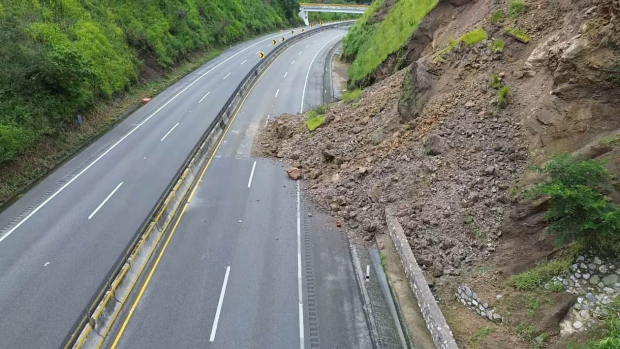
(435, 322)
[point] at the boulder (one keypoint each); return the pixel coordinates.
(293, 173)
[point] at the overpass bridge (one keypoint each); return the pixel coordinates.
(304, 8)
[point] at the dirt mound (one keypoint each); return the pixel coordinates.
(449, 176)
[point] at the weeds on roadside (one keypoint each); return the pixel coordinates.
(352, 95)
(537, 276)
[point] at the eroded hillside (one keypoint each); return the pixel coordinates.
(490, 89)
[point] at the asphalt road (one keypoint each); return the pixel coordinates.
(247, 267)
(63, 237)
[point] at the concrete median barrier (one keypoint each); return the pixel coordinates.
(92, 329)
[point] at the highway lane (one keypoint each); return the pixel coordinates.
(230, 276)
(53, 258)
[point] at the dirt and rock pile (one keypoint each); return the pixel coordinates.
(449, 176)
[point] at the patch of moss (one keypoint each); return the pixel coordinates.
(498, 46)
(497, 17)
(516, 8)
(502, 96)
(518, 34)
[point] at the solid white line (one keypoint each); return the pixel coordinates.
(299, 280)
(252, 174)
(32, 213)
(104, 201)
(166, 135)
(244, 62)
(219, 306)
(204, 97)
(277, 93)
(226, 76)
(285, 74)
(303, 94)
(293, 63)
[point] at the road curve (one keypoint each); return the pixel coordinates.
(246, 267)
(61, 239)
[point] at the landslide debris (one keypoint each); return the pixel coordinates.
(448, 175)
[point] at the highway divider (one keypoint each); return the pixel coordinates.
(93, 326)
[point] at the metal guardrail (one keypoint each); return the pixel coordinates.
(160, 216)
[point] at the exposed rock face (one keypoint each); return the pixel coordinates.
(415, 91)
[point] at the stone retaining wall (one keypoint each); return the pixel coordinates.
(435, 322)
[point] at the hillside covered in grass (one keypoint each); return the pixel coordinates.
(372, 40)
(61, 58)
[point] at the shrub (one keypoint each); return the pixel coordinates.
(13, 140)
(519, 34)
(475, 36)
(517, 7)
(578, 211)
(497, 17)
(352, 95)
(496, 81)
(502, 96)
(498, 46)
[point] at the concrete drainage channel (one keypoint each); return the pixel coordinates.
(92, 329)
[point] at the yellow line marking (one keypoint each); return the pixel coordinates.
(161, 253)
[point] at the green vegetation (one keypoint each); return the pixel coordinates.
(542, 273)
(497, 17)
(470, 38)
(498, 46)
(518, 34)
(539, 341)
(496, 81)
(316, 117)
(475, 36)
(533, 303)
(315, 17)
(360, 32)
(383, 259)
(480, 334)
(61, 58)
(370, 45)
(611, 139)
(315, 122)
(517, 7)
(556, 286)
(578, 210)
(352, 95)
(526, 332)
(502, 96)
(611, 340)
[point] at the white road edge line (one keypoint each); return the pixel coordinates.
(166, 135)
(219, 305)
(285, 74)
(278, 91)
(252, 174)
(267, 121)
(299, 280)
(244, 62)
(226, 76)
(106, 200)
(204, 97)
(8, 233)
(303, 94)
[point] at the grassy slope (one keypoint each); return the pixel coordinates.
(65, 57)
(371, 45)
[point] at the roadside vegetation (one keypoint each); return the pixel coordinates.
(369, 45)
(65, 58)
(352, 96)
(579, 210)
(316, 117)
